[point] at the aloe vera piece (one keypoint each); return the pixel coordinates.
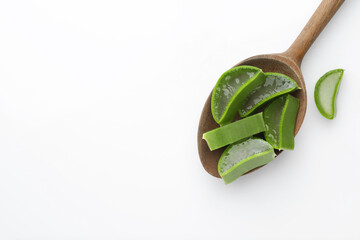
(243, 156)
(235, 131)
(325, 92)
(275, 84)
(280, 118)
(231, 90)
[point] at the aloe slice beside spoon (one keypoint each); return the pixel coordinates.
(325, 92)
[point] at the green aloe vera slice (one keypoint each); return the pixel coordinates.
(243, 156)
(275, 84)
(280, 118)
(325, 92)
(235, 131)
(231, 90)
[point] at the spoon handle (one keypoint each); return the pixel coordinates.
(312, 29)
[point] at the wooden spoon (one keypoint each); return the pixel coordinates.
(287, 63)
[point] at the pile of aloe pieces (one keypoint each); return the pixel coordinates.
(268, 115)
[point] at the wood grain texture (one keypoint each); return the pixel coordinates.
(287, 63)
(312, 29)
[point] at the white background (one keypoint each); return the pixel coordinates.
(99, 107)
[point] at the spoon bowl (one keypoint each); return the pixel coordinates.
(287, 63)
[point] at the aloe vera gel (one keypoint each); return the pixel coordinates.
(325, 92)
(280, 117)
(231, 90)
(251, 141)
(275, 84)
(242, 157)
(235, 131)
